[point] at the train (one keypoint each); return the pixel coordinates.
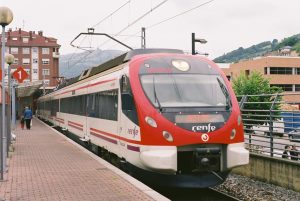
(161, 114)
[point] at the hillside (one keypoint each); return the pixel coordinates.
(71, 65)
(260, 49)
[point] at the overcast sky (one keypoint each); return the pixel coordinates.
(225, 24)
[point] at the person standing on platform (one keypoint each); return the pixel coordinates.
(294, 153)
(27, 117)
(286, 152)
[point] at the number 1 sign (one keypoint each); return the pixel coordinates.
(20, 74)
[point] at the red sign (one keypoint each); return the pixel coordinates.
(0, 75)
(20, 74)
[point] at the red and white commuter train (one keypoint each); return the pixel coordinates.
(169, 117)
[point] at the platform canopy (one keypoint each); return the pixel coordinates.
(27, 89)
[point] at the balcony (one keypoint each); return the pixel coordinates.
(56, 55)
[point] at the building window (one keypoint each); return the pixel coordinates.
(26, 50)
(25, 40)
(14, 50)
(16, 61)
(46, 82)
(26, 61)
(266, 70)
(45, 61)
(46, 72)
(34, 50)
(298, 71)
(297, 87)
(45, 50)
(14, 38)
(281, 70)
(285, 87)
(34, 71)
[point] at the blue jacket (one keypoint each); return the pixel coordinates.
(27, 114)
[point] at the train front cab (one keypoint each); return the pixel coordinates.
(189, 119)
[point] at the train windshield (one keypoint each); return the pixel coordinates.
(185, 90)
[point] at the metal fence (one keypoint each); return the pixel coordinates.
(272, 124)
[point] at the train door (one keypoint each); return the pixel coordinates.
(128, 116)
(122, 120)
(89, 109)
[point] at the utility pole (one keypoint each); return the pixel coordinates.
(44, 90)
(13, 105)
(194, 40)
(5, 19)
(143, 38)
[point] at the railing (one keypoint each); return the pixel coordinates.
(272, 124)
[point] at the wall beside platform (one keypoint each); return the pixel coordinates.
(277, 171)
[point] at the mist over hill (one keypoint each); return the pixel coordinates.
(71, 65)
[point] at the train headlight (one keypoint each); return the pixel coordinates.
(181, 65)
(232, 134)
(168, 136)
(151, 122)
(239, 120)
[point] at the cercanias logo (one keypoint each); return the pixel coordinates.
(208, 128)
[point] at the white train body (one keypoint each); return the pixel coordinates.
(129, 136)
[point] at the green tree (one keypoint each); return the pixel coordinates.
(256, 109)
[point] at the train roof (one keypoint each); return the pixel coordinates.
(115, 62)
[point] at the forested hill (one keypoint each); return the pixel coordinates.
(260, 49)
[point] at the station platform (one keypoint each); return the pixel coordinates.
(46, 165)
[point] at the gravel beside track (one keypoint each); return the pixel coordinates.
(248, 189)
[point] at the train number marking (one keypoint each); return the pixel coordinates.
(204, 137)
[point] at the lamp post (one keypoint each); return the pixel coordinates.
(6, 16)
(194, 40)
(9, 59)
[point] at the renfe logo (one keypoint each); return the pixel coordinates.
(207, 128)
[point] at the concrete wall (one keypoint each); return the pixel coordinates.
(281, 172)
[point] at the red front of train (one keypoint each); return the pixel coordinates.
(189, 118)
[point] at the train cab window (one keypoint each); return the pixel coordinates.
(128, 105)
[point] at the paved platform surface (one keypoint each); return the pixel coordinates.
(46, 165)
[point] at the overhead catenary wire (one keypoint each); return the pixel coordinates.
(98, 23)
(141, 17)
(179, 14)
(129, 25)
(111, 14)
(136, 20)
(170, 18)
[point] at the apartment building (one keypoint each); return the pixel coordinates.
(282, 71)
(36, 53)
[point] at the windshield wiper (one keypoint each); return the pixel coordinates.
(155, 95)
(225, 92)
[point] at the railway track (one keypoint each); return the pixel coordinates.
(207, 194)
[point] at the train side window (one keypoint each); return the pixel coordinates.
(128, 105)
(126, 95)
